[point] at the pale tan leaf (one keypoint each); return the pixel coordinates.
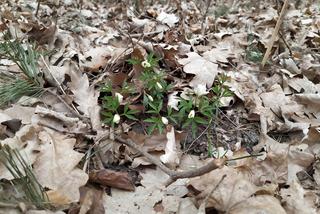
(204, 70)
(258, 204)
(297, 200)
(55, 167)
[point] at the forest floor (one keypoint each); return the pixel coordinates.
(160, 106)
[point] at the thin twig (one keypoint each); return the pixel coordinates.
(38, 7)
(66, 104)
(174, 175)
(275, 33)
(204, 131)
(203, 29)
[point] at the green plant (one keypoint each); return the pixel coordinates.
(221, 10)
(24, 180)
(253, 53)
(196, 108)
(31, 82)
(113, 111)
(155, 119)
(199, 109)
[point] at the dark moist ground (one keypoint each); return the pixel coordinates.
(231, 126)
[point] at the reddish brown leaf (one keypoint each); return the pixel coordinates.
(116, 179)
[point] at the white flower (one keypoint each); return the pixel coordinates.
(150, 97)
(200, 90)
(191, 114)
(116, 118)
(119, 97)
(145, 64)
(159, 86)
(173, 100)
(164, 120)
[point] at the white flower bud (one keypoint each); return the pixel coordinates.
(119, 97)
(116, 118)
(164, 120)
(191, 114)
(145, 64)
(150, 97)
(159, 86)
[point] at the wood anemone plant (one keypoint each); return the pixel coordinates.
(24, 182)
(30, 82)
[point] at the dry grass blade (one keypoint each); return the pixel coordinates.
(24, 179)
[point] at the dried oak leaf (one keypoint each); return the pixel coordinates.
(233, 189)
(86, 97)
(204, 70)
(55, 167)
(299, 201)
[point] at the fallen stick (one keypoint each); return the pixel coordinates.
(174, 175)
(275, 33)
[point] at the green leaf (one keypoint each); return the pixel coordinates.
(200, 120)
(151, 120)
(131, 117)
(134, 61)
(160, 127)
(151, 128)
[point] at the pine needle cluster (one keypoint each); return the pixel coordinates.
(24, 180)
(30, 83)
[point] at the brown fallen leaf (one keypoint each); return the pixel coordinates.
(235, 188)
(56, 167)
(91, 201)
(299, 201)
(43, 34)
(116, 179)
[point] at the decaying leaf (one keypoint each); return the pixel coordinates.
(116, 179)
(297, 200)
(234, 189)
(204, 70)
(261, 203)
(56, 167)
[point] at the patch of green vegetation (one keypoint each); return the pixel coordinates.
(221, 10)
(253, 53)
(197, 107)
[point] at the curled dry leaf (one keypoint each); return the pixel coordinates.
(171, 156)
(116, 179)
(91, 201)
(96, 58)
(58, 120)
